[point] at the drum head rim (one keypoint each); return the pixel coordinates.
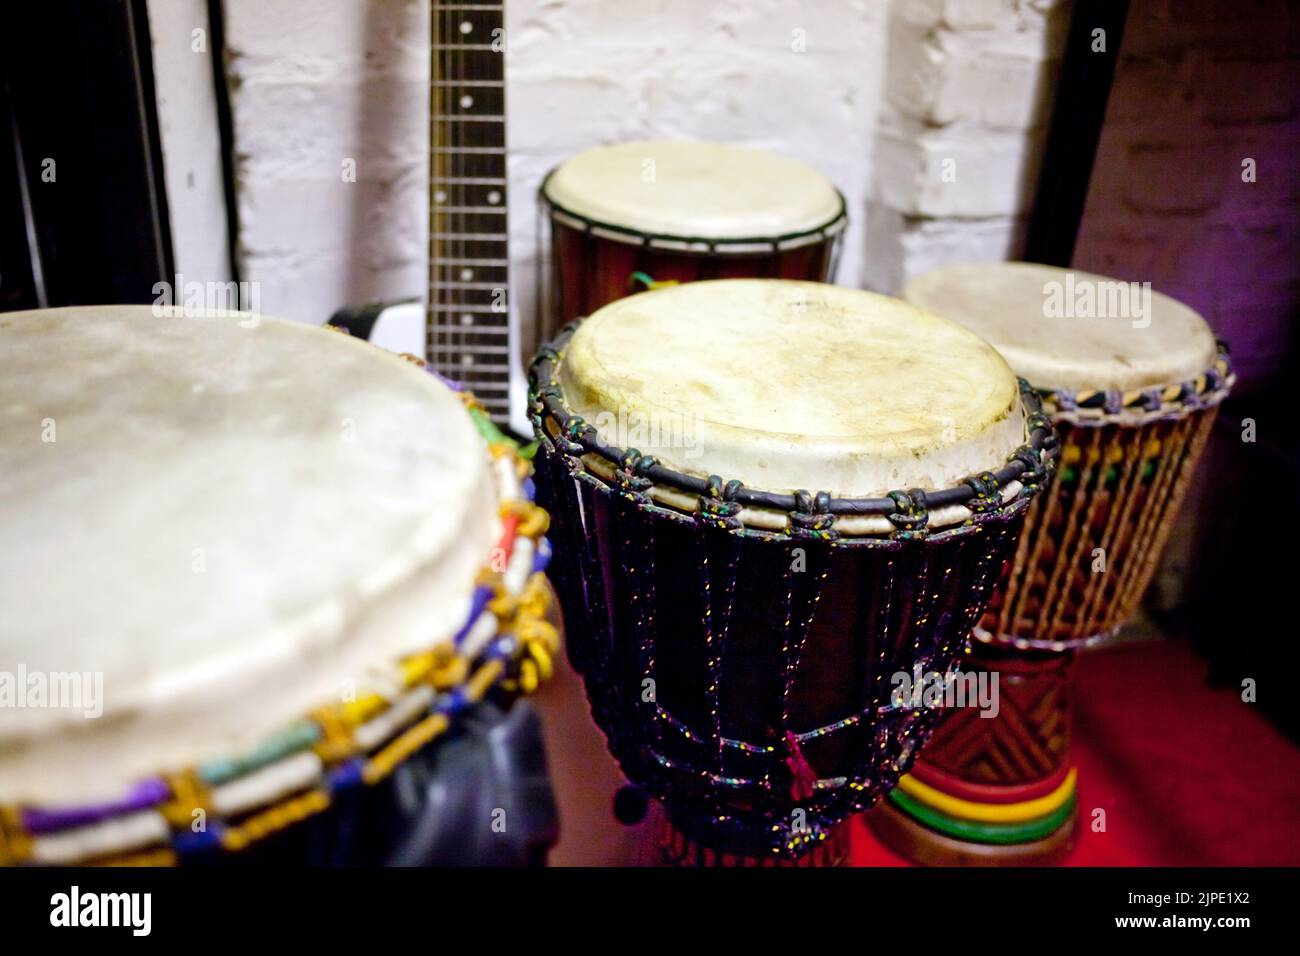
(739, 247)
(1137, 407)
(905, 513)
(295, 770)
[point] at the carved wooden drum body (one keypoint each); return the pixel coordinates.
(279, 588)
(629, 216)
(1132, 380)
(770, 498)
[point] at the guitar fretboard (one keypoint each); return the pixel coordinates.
(468, 321)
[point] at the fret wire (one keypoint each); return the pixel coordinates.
(452, 225)
(492, 353)
(492, 330)
(474, 374)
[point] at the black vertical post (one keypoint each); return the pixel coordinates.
(1077, 116)
(80, 91)
(226, 124)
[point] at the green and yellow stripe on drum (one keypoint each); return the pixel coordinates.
(998, 823)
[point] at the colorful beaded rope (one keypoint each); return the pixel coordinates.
(901, 515)
(505, 645)
(1139, 406)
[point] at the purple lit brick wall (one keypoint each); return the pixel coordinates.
(1201, 86)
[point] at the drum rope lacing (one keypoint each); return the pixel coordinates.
(1134, 409)
(1140, 406)
(911, 513)
(505, 646)
(810, 523)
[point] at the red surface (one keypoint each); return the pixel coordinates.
(1187, 775)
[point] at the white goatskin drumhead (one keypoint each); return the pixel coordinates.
(693, 189)
(1069, 330)
(227, 522)
(794, 385)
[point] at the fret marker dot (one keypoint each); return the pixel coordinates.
(440, 196)
(494, 197)
(466, 274)
(467, 320)
(467, 360)
(466, 101)
(466, 27)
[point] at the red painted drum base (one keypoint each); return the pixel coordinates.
(992, 790)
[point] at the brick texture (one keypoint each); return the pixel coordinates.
(315, 82)
(968, 87)
(1200, 87)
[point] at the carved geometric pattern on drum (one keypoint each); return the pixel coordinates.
(1027, 740)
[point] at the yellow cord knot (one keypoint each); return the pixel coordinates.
(188, 795)
(15, 843)
(448, 669)
(533, 520)
(336, 741)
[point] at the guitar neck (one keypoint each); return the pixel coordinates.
(468, 316)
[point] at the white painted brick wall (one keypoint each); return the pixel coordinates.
(968, 88)
(883, 93)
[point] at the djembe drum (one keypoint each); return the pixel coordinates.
(269, 593)
(626, 217)
(1132, 381)
(741, 576)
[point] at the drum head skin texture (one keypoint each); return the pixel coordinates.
(794, 385)
(231, 520)
(1068, 330)
(696, 190)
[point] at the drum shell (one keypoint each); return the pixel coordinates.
(588, 271)
(1118, 489)
(1028, 741)
(1020, 753)
(802, 633)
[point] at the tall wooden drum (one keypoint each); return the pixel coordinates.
(627, 217)
(771, 499)
(1132, 379)
(269, 594)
